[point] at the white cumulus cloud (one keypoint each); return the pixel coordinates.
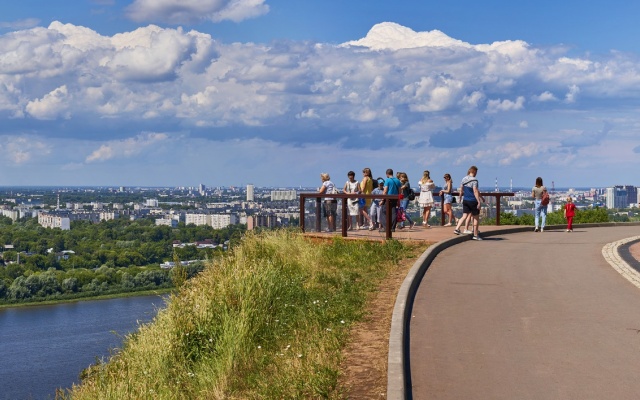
(191, 11)
(125, 148)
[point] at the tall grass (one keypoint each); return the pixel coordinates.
(266, 321)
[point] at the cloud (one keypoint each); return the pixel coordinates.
(495, 106)
(194, 11)
(395, 88)
(20, 24)
(51, 106)
(19, 150)
(544, 97)
(587, 139)
(466, 135)
(125, 148)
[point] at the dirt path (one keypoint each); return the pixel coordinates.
(363, 373)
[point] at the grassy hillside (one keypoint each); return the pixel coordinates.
(267, 321)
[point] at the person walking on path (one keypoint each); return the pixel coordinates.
(404, 203)
(426, 197)
(330, 206)
(569, 213)
(471, 202)
(366, 187)
(448, 198)
(391, 187)
(540, 217)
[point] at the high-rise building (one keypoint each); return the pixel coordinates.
(250, 193)
(616, 197)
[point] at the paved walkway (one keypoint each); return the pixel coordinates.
(527, 316)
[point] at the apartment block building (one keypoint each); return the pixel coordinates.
(49, 220)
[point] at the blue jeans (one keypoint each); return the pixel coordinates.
(404, 203)
(541, 213)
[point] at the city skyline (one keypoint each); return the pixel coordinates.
(142, 93)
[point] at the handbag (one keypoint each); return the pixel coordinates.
(362, 202)
(453, 199)
(401, 215)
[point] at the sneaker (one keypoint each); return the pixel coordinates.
(536, 229)
(541, 229)
(568, 230)
(412, 225)
(449, 224)
(457, 231)
(467, 232)
(371, 228)
(476, 238)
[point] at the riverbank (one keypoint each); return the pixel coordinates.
(271, 320)
(98, 297)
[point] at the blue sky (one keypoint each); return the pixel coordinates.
(229, 92)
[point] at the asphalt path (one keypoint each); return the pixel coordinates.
(527, 316)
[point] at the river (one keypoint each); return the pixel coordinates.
(46, 347)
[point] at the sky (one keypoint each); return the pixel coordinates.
(274, 92)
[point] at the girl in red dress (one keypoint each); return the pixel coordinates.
(569, 213)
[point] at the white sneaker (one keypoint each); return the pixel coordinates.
(536, 229)
(476, 238)
(541, 229)
(467, 232)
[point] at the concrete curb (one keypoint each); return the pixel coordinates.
(612, 256)
(398, 363)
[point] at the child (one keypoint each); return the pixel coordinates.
(374, 212)
(569, 213)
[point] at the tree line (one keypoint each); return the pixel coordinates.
(110, 257)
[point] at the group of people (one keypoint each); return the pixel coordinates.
(366, 213)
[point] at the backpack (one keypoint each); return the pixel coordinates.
(412, 195)
(545, 198)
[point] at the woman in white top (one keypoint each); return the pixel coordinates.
(352, 186)
(426, 197)
(330, 204)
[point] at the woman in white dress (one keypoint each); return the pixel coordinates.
(426, 197)
(352, 186)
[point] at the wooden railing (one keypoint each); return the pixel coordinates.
(497, 195)
(345, 213)
(387, 205)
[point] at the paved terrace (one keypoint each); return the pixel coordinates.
(520, 315)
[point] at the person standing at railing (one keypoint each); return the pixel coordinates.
(330, 206)
(375, 211)
(404, 203)
(391, 187)
(426, 197)
(351, 186)
(366, 187)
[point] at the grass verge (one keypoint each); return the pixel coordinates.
(267, 321)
